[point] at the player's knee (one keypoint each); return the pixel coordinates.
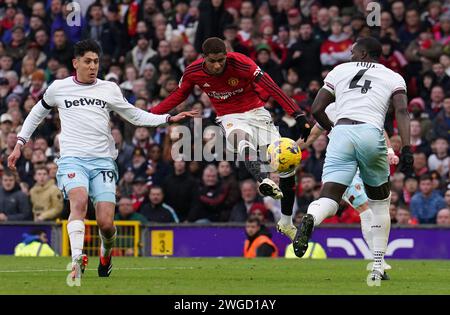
(333, 191)
(106, 226)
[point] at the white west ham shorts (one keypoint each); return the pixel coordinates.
(257, 123)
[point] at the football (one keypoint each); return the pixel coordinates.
(284, 155)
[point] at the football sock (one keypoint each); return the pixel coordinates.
(107, 243)
(249, 155)
(381, 225)
(287, 186)
(322, 209)
(75, 229)
(366, 222)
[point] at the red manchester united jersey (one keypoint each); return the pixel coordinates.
(241, 87)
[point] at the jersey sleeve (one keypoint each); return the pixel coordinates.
(48, 99)
(132, 114)
(330, 81)
(254, 73)
(398, 84)
(185, 87)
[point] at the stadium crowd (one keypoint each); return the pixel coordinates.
(148, 44)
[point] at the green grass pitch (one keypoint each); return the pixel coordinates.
(222, 276)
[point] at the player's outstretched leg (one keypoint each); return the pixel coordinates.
(285, 225)
(249, 154)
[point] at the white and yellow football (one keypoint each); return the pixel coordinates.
(284, 155)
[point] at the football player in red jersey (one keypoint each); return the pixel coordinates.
(235, 84)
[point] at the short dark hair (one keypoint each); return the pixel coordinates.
(85, 46)
(371, 45)
(253, 219)
(425, 176)
(8, 173)
(40, 168)
(156, 187)
(214, 45)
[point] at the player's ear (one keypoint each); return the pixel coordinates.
(75, 63)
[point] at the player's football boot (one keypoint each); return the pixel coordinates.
(78, 266)
(288, 230)
(301, 239)
(105, 266)
(269, 188)
(379, 275)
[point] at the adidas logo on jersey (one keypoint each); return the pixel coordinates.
(84, 102)
(206, 85)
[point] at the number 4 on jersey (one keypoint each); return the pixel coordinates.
(354, 83)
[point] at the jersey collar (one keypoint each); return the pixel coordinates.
(81, 83)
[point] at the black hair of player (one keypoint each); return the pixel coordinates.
(87, 45)
(214, 45)
(371, 45)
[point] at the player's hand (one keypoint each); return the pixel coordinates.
(301, 144)
(406, 160)
(392, 158)
(183, 115)
(13, 157)
(305, 126)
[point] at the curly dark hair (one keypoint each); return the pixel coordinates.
(85, 46)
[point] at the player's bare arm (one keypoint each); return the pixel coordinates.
(322, 100)
(400, 102)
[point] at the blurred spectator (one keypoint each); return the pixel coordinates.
(447, 197)
(212, 21)
(304, 55)
(5, 128)
(426, 203)
(139, 195)
(306, 196)
(157, 169)
(180, 190)
(336, 49)
(212, 194)
(228, 179)
(46, 198)
(140, 53)
(441, 123)
(138, 163)
(157, 211)
(314, 164)
(443, 217)
(403, 217)
(125, 151)
(420, 165)
(250, 197)
(411, 29)
(125, 185)
(62, 50)
(422, 51)
(126, 211)
(410, 188)
(230, 34)
(258, 242)
(266, 63)
(440, 160)
(34, 244)
(418, 143)
(14, 204)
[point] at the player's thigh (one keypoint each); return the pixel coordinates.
(71, 174)
(371, 152)
(263, 129)
(355, 194)
(235, 131)
(102, 181)
(340, 160)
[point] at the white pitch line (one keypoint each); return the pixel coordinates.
(65, 270)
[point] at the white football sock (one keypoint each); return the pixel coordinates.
(366, 222)
(107, 243)
(322, 209)
(285, 219)
(75, 229)
(381, 226)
